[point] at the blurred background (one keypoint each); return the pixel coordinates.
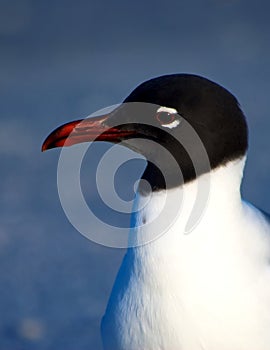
(62, 60)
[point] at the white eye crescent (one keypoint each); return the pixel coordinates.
(167, 109)
(172, 124)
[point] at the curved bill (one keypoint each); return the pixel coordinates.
(85, 130)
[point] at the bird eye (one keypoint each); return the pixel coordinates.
(165, 117)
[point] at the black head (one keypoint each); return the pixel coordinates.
(209, 109)
(170, 110)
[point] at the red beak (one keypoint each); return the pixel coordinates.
(85, 130)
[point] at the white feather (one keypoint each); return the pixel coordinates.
(167, 109)
(208, 290)
(172, 125)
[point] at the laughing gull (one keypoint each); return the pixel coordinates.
(206, 290)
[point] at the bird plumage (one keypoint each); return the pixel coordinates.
(204, 288)
(209, 289)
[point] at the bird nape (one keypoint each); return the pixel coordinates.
(208, 289)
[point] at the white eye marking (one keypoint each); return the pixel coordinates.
(170, 111)
(167, 109)
(172, 124)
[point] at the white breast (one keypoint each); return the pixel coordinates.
(207, 290)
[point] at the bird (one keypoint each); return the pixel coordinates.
(208, 288)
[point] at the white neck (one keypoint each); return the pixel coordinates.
(180, 290)
(226, 236)
(196, 208)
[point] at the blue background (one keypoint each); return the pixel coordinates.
(62, 60)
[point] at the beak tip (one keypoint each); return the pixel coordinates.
(58, 137)
(45, 146)
(48, 144)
